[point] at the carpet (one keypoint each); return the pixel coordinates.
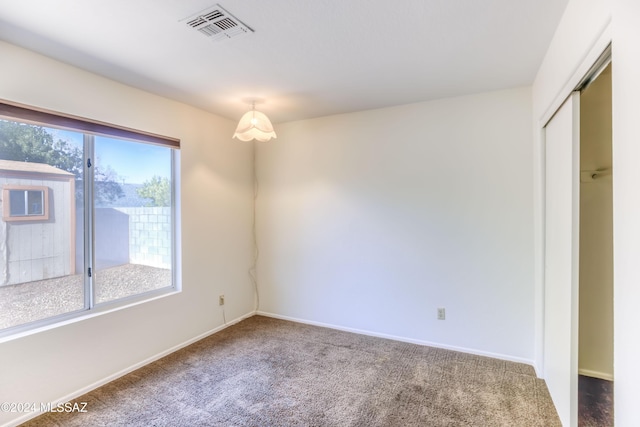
(269, 372)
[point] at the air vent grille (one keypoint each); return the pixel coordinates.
(217, 24)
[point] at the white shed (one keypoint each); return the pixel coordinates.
(37, 230)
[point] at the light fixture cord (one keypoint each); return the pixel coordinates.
(253, 121)
(256, 252)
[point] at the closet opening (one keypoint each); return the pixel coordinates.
(595, 325)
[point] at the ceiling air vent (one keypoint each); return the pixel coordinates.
(217, 24)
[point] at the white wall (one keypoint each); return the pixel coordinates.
(216, 187)
(372, 220)
(626, 209)
(582, 24)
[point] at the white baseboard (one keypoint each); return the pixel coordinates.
(596, 374)
(538, 368)
(123, 372)
(403, 339)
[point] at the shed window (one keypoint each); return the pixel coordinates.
(24, 203)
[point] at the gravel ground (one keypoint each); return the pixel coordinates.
(31, 301)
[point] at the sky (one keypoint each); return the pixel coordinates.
(134, 162)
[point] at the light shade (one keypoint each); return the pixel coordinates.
(254, 125)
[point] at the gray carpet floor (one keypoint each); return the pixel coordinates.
(268, 372)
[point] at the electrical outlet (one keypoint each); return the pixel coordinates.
(441, 313)
(221, 300)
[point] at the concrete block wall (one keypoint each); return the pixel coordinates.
(149, 236)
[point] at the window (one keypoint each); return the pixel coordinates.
(25, 203)
(88, 216)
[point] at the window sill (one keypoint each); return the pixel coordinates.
(39, 326)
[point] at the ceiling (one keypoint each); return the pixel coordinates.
(305, 58)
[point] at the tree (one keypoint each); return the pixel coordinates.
(30, 143)
(106, 187)
(27, 143)
(158, 190)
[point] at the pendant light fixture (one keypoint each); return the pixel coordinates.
(254, 125)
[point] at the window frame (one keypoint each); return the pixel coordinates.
(6, 203)
(40, 116)
(89, 128)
